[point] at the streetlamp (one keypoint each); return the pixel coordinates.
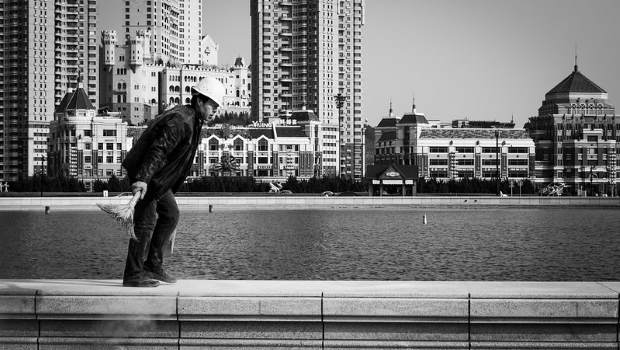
(497, 161)
(340, 98)
(41, 175)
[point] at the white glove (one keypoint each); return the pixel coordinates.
(139, 186)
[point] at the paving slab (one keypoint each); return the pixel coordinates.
(396, 289)
(539, 290)
(223, 288)
(82, 287)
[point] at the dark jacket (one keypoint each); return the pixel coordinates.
(163, 155)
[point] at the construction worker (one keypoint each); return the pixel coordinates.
(157, 166)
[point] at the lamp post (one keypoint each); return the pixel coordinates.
(41, 175)
(340, 98)
(497, 161)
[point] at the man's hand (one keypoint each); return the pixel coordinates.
(139, 186)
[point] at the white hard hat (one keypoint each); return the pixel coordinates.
(211, 88)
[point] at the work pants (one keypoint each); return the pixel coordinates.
(154, 223)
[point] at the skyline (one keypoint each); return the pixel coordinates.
(480, 59)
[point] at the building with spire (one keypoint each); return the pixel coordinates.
(83, 144)
(576, 133)
(304, 53)
(446, 153)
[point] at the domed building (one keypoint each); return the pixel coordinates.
(576, 134)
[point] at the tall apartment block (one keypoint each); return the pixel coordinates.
(176, 27)
(304, 53)
(75, 48)
(45, 45)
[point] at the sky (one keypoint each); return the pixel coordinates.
(475, 59)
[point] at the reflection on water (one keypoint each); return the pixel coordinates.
(386, 244)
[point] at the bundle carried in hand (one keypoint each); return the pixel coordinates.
(123, 214)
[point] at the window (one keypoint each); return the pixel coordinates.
(520, 173)
(465, 149)
(438, 162)
(489, 161)
(238, 144)
(438, 149)
(109, 132)
(263, 160)
(109, 159)
(214, 145)
(465, 173)
(592, 138)
(100, 146)
(490, 149)
(438, 173)
(87, 146)
(518, 150)
(109, 146)
(263, 145)
(465, 161)
(517, 162)
(87, 159)
(88, 133)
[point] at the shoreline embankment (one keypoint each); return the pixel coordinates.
(238, 314)
(280, 202)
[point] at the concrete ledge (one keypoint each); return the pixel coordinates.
(278, 202)
(101, 314)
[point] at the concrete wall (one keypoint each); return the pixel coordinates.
(312, 202)
(100, 314)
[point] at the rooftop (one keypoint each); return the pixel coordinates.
(576, 82)
(462, 133)
(77, 99)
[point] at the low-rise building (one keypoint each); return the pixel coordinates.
(577, 137)
(453, 153)
(83, 144)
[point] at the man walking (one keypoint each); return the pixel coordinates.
(157, 166)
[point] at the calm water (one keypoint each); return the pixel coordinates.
(456, 244)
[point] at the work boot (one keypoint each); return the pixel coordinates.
(162, 276)
(141, 282)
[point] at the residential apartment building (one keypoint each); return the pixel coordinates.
(577, 136)
(454, 153)
(176, 27)
(139, 88)
(46, 45)
(304, 53)
(75, 48)
(85, 145)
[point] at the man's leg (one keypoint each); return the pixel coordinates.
(144, 224)
(168, 217)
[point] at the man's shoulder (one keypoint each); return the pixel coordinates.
(184, 114)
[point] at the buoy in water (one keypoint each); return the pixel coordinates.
(424, 219)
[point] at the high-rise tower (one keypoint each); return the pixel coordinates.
(46, 45)
(75, 47)
(304, 53)
(176, 27)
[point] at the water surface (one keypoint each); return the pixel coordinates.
(534, 243)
